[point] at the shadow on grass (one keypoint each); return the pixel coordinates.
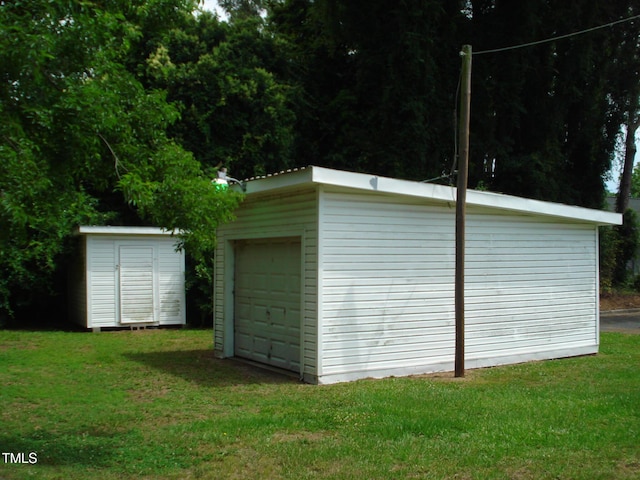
(203, 368)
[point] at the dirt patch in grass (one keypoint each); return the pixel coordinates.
(629, 468)
(448, 376)
(17, 346)
(300, 436)
(619, 301)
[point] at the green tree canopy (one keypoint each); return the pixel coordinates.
(545, 117)
(635, 182)
(379, 83)
(379, 89)
(115, 111)
(82, 141)
(236, 108)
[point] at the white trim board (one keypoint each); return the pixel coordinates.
(110, 230)
(428, 191)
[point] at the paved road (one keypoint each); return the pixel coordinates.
(625, 321)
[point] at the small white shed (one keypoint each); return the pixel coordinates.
(127, 277)
(339, 276)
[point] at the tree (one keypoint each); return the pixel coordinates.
(629, 177)
(546, 118)
(635, 183)
(83, 142)
(628, 237)
(236, 108)
(227, 80)
(379, 83)
(629, 100)
(243, 9)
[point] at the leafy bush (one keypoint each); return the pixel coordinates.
(618, 247)
(609, 246)
(628, 239)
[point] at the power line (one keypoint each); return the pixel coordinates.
(560, 37)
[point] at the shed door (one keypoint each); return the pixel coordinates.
(136, 284)
(267, 302)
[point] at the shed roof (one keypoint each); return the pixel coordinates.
(117, 230)
(430, 191)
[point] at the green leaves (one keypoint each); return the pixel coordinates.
(83, 141)
(38, 210)
(553, 103)
(237, 111)
(114, 110)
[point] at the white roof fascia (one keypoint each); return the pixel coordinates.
(277, 181)
(431, 191)
(109, 230)
(528, 205)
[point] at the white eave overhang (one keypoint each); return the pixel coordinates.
(428, 191)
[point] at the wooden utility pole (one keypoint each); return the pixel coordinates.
(461, 199)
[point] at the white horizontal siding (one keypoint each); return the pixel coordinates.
(171, 283)
(264, 216)
(530, 286)
(220, 290)
(388, 285)
(101, 282)
(102, 278)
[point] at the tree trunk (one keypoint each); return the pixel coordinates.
(633, 122)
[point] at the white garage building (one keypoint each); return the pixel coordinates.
(339, 276)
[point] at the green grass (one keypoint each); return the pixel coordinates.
(157, 405)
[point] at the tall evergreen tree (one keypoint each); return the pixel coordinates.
(377, 80)
(380, 79)
(544, 122)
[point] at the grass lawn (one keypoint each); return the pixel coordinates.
(156, 404)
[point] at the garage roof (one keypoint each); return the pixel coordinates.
(430, 191)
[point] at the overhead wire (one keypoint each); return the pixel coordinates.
(559, 37)
(514, 47)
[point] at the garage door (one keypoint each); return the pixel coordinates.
(267, 301)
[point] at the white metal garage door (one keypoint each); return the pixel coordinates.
(267, 301)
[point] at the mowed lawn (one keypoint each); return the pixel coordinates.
(156, 404)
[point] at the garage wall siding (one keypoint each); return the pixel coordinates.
(530, 286)
(388, 280)
(265, 216)
(388, 270)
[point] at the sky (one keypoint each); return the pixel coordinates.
(211, 5)
(616, 167)
(613, 183)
